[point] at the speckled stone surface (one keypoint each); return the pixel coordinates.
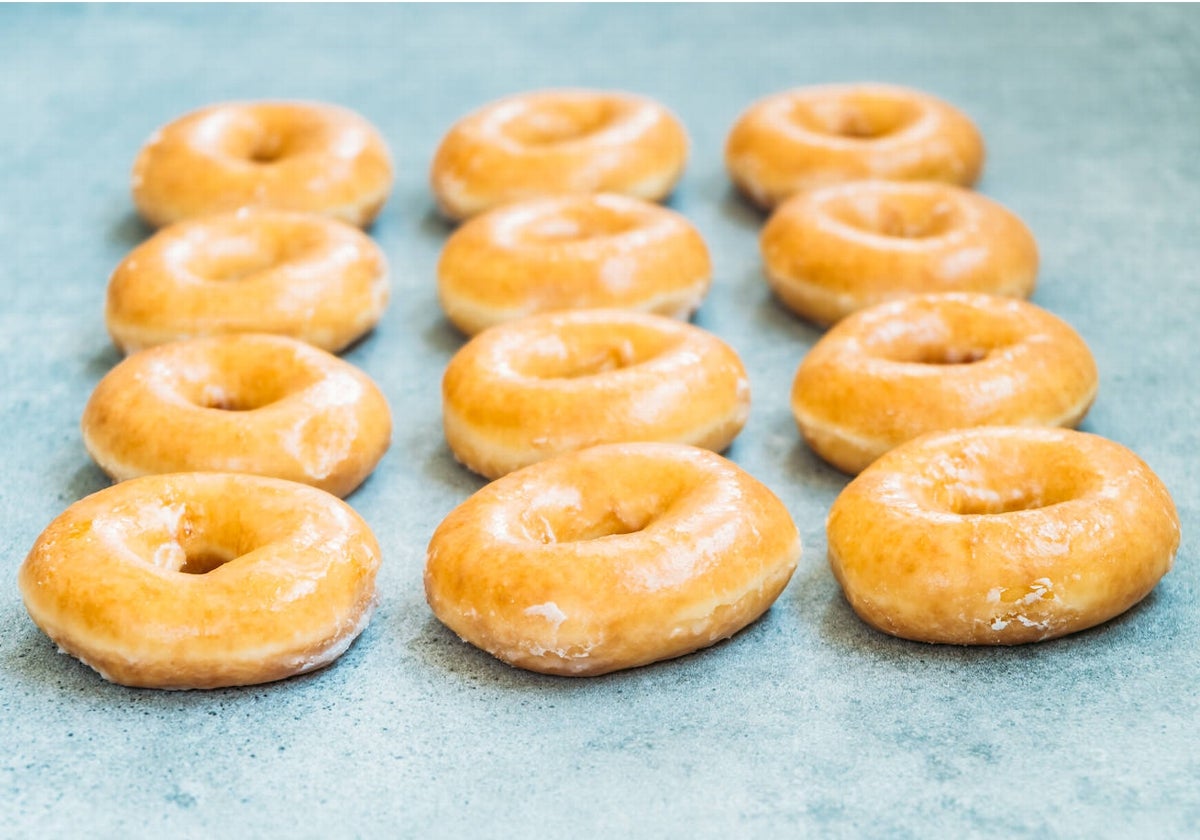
(806, 721)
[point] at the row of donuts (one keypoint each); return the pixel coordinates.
(256, 277)
(562, 635)
(229, 404)
(974, 519)
(613, 534)
(967, 524)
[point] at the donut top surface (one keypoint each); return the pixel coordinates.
(610, 558)
(251, 403)
(198, 580)
(558, 141)
(1001, 535)
(303, 156)
(297, 274)
(572, 252)
(894, 371)
(575, 223)
(828, 252)
(524, 390)
(816, 136)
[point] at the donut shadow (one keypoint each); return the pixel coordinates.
(811, 471)
(438, 648)
(773, 315)
(842, 629)
(441, 466)
(86, 480)
(129, 231)
(443, 337)
(436, 225)
(360, 343)
(741, 211)
(34, 659)
(681, 197)
(102, 360)
(369, 489)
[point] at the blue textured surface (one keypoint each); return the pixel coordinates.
(806, 720)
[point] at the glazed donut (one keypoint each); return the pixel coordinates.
(817, 136)
(610, 558)
(303, 156)
(558, 141)
(521, 392)
(295, 274)
(246, 403)
(1000, 535)
(830, 252)
(893, 372)
(203, 580)
(572, 252)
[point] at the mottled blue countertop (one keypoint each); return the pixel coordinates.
(807, 720)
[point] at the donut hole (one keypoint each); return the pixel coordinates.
(222, 399)
(261, 136)
(973, 500)
(230, 258)
(201, 561)
(268, 148)
(1008, 477)
(939, 331)
(192, 539)
(561, 121)
(577, 224)
(223, 385)
(860, 116)
(626, 517)
(232, 267)
(940, 354)
(590, 351)
(896, 215)
(615, 505)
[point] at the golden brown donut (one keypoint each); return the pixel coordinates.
(1001, 535)
(558, 141)
(830, 252)
(526, 390)
(295, 274)
(304, 156)
(610, 558)
(572, 252)
(249, 403)
(897, 370)
(203, 580)
(816, 136)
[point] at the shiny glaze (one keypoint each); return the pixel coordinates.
(816, 136)
(554, 142)
(249, 403)
(1001, 535)
(897, 370)
(302, 156)
(610, 558)
(833, 251)
(295, 274)
(104, 580)
(572, 252)
(523, 391)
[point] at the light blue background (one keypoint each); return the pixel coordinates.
(806, 720)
